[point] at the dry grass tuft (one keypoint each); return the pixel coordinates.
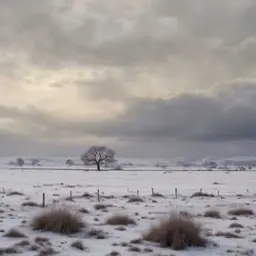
(101, 206)
(241, 212)
(30, 204)
(83, 210)
(176, 232)
(42, 241)
(23, 243)
(135, 199)
(227, 234)
(201, 194)
(47, 252)
(212, 214)
(9, 250)
(15, 193)
(78, 245)
(157, 195)
(59, 220)
(235, 225)
(136, 241)
(14, 233)
(113, 253)
(120, 219)
(87, 195)
(97, 233)
(134, 249)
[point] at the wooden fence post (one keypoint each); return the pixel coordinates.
(98, 195)
(43, 203)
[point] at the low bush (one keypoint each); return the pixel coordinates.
(119, 219)
(176, 232)
(58, 220)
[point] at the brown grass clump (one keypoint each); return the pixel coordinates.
(78, 245)
(135, 199)
(176, 232)
(87, 195)
(120, 219)
(227, 234)
(9, 250)
(113, 253)
(235, 225)
(14, 233)
(201, 194)
(157, 195)
(134, 249)
(83, 210)
(97, 233)
(101, 206)
(23, 243)
(59, 220)
(47, 252)
(30, 204)
(15, 193)
(212, 214)
(241, 212)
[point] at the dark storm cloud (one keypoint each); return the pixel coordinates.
(228, 114)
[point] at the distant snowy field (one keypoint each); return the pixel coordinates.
(235, 189)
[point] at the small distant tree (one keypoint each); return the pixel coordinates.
(70, 162)
(98, 155)
(20, 162)
(35, 162)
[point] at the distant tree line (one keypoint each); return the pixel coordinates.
(95, 155)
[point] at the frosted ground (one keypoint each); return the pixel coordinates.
(231, 189)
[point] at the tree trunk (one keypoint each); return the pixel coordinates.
(98, 166)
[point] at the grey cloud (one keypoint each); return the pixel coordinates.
(224, 117)
(105, 38)
(228, 113)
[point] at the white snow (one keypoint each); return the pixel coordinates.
(58, 184)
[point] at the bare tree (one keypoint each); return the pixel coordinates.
(70, 162)
(98, 155)
(20, 162)
(35, 162)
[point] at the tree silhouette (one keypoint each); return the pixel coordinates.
(98, 155)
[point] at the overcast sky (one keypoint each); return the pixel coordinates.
(149, 78)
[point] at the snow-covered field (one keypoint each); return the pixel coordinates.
(231, 189)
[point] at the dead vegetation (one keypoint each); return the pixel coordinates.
(58, 220)
(157, 195)
(241, 212)
(176, 232)
(78, 245)
(227, 234)
(101, 206)
(120, 219)
(202, 194)
(9, 250)
(212, 214)
(135, 199)
(14, 233)
(15, 193)
(30, 204)
(235, 225)
(97, 233)
(47, 252)
(83, 210)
